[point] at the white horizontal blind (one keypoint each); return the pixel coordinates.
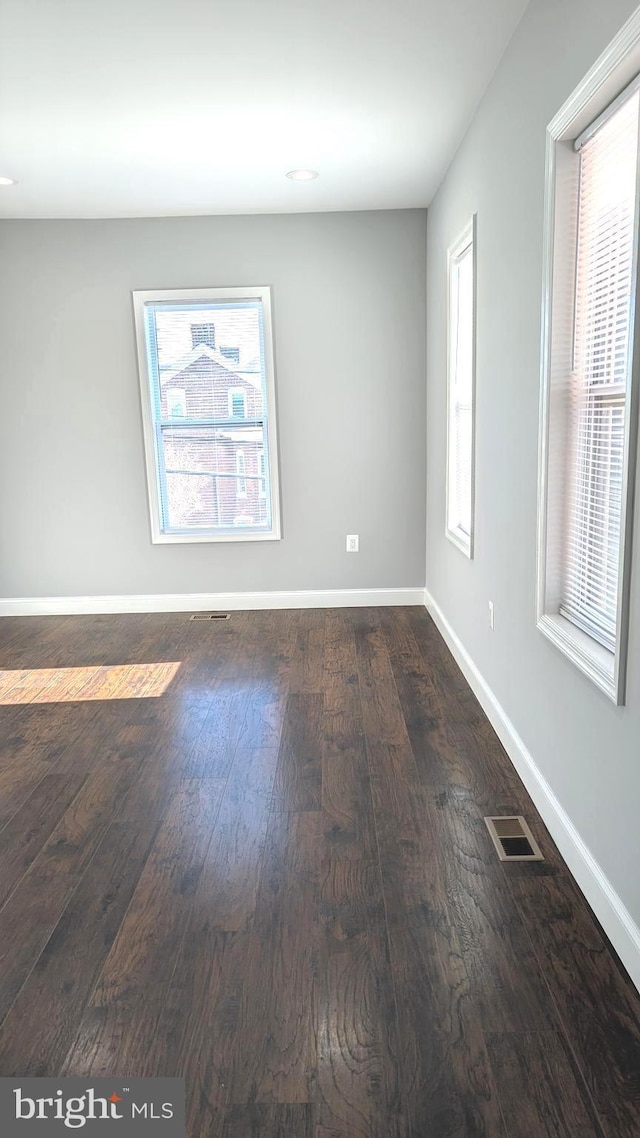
(604, 294)
(460, 412)
(206, 369)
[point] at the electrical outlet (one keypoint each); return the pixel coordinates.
(491, 614)
(353, 542)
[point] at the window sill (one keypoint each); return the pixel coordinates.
(590, 657)
(191, 538)
(462, 540)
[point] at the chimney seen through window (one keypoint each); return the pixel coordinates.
(203, 334)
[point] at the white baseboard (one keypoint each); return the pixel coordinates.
(198, 602)
(613, 915)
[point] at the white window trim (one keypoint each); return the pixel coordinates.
(230, 394)
(611, 73)
(465, 542)
(196, 296)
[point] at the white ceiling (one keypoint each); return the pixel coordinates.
(131, 108)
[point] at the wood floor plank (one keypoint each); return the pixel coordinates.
(382, 712)
(340, 664)
(599, 1008)
(208, 1035)
(346, 793)
(25, 834)
(216, 743)
(33, 910)
(254, 1038)
(444, 737)
(279, 997)
(126, 1002)
(298, 782)
(154, 918)
(37, 729)
(308, 655)
(448, 1085)
(359, 1083)
(266, 711)
(43, 1021)
(34, 745)
(541, 1092)
(257, 1121)
(233, 861)
(271, 671)
(26, 643)
(212, 690)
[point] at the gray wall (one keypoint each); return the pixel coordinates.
(588, 750)
(349, 302)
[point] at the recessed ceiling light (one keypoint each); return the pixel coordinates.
(4, 181)
(302, 175)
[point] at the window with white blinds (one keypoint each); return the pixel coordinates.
(607, 206)
(208, 414)
(588, 382)
(461, 382)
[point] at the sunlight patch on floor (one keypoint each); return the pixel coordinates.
(65, 685)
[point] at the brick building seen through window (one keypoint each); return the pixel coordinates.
(214, 476)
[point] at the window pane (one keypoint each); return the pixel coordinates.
(238, 405)
(202, 484)
(598, 384)
(186, 360)
(460, 413)
(461, 505)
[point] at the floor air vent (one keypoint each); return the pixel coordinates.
(513, 839)
(210, 616)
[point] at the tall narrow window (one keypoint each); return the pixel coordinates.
(598, 382)
(588, 383)
(197, 467)
(461, 385)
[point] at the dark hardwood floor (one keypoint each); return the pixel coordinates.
(252, 852)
